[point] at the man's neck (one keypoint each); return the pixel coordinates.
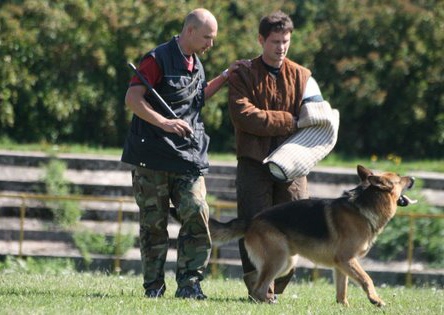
(273, 70)
(183, 48)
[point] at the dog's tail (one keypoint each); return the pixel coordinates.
(225, 232)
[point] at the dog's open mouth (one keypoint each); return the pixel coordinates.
(404, 201)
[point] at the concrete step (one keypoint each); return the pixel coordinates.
(222, 186)
(383, 273)
(43, 240)
(316, 190)
(56, 248)
(112, 164)
(91, 210)
(74, 161)
(47, 231)
(100, 210)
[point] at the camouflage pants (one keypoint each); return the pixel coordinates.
(153, 191)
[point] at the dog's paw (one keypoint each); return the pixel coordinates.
(375, 300)
(272, 300)
(343, 302)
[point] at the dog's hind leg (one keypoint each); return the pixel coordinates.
(264, 288)
(341, 281)
(269, 253)
(268, 271)
(354, 270)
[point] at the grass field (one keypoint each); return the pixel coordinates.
(86, 293)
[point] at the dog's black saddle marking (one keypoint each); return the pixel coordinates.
(305, 216)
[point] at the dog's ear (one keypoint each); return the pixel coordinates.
(380, 182)
(363, 172)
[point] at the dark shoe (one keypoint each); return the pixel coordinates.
(155, 293)
(191, 292)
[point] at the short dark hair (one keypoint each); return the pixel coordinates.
(275, 22)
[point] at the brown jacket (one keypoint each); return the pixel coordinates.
(262, 107)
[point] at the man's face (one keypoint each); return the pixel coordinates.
(275, 48)
(203, 37)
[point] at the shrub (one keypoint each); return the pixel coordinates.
(66, 212)
(47, 266)
(428, 234)
(92, 243)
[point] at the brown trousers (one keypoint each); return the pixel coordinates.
(257, 190)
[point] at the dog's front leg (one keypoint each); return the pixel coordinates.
(354, 270)
(341, 281)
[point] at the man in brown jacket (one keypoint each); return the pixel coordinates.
(264, 102)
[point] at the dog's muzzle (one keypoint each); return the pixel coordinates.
(404, 200)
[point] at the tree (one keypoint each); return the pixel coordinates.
(379, 63)
(64, 74)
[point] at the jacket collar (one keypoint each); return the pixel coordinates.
(178, 58)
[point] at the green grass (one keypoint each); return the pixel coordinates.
(86, 293)
(388, 162)
(385, 163)
(50, 148)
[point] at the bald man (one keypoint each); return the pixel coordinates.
(169, 155)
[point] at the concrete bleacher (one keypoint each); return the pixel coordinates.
(92, 175)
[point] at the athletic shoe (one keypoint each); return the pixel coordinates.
(191, 292)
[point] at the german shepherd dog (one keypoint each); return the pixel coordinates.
(331, 232)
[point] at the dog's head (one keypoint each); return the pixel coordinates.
(389, 182)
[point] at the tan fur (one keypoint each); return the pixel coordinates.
(347, 228)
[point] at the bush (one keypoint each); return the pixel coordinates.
(92, 243)
(66, 212)
(53, 266)
(428, 235)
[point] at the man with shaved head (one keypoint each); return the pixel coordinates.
(169, 155)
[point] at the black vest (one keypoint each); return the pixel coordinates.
(151, 147)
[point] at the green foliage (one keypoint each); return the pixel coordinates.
(66, 212)
(92, 243)
(428, 245)
(428, 234)
(378, 62)
(44, 266)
